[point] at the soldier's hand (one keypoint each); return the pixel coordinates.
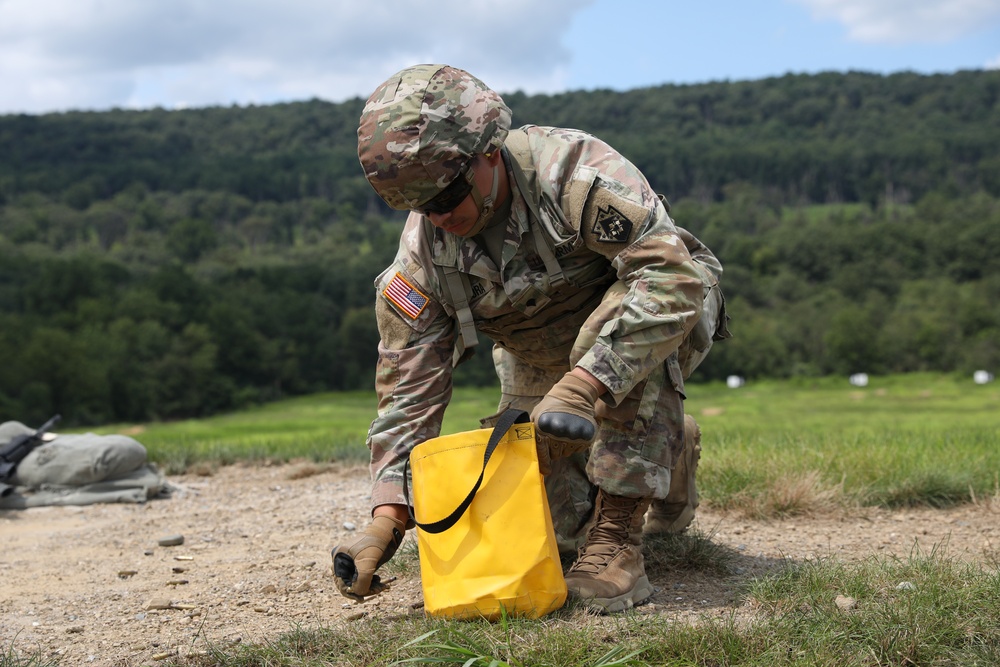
(564, 420)
(354, 564)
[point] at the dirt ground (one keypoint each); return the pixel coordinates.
(92, 585)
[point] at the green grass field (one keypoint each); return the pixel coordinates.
(905, 440)
(902, 440)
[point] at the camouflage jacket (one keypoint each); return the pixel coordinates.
(583, 220)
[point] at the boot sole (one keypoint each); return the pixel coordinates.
(641, 592)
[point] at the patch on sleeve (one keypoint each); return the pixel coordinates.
(611, 219)
(405, 296)
(611, 226)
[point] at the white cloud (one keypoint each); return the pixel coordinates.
(61, 54)
(993, 64)
(906, 21)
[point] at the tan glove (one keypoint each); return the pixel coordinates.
(564, 420)
(354, 564)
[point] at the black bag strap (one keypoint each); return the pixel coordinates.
(507, 419)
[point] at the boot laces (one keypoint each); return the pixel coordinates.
(608, 536)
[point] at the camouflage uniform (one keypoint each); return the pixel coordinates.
(591, 272)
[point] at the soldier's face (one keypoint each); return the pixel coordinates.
(462, 219)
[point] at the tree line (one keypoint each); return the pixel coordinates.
(164, 264)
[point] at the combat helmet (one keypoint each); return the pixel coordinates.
(421, 128)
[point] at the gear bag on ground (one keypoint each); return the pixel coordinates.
(80, 470)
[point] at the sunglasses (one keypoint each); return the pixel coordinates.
(453, 195)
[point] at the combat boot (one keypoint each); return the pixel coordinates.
(675, 513)
(609, 574)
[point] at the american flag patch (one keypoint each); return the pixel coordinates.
(409, 299)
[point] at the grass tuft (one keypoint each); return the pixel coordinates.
(12, 658)
(793, 495)
(407, 559)
(929, 489)
(691, 551)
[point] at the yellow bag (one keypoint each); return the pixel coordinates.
(495, 549)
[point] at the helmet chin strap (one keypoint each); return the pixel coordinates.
(486, 205)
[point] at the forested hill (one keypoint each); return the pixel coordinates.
(819, 138)
(159, 264)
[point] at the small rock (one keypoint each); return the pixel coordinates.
(74, 629)
(349, 526)
(906, 586)
(269, 589)
(159, 603)
(171, 541)
(845, 603)
(125, 574)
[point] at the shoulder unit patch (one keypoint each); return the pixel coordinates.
(405, 296)
(611, 226)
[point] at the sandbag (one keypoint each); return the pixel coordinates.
(484, 532)
(80, 470)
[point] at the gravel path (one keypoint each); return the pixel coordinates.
(92, 585)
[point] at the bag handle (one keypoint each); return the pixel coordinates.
(507, 419)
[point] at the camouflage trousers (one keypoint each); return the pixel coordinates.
(638, 442)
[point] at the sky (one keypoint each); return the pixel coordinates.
(60, 55)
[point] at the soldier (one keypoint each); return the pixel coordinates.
(554, 246)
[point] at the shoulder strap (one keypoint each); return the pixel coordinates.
(459, 291)
(552, 266)
(523, 167)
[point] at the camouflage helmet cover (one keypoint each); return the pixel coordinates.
(421, 126)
